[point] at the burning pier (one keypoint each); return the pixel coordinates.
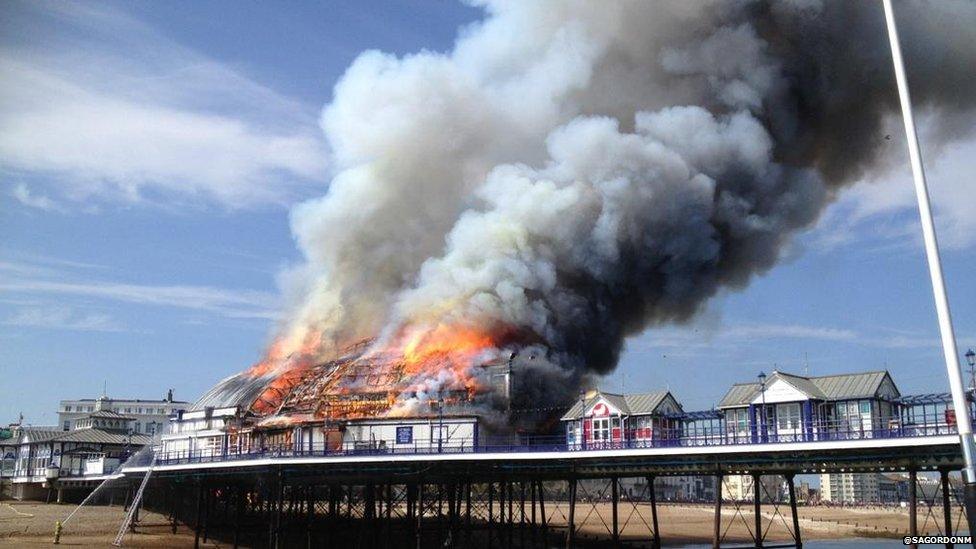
(363, 397)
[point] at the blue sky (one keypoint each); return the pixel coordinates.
(151, 259)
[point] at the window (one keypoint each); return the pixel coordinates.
(67, 425)
(737, 421)
(788, 417)
(67, 408)
(601, 429)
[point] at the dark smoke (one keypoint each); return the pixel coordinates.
(580, 172)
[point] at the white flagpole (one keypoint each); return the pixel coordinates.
(935, 271)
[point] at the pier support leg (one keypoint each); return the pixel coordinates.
(913, 504)
(238, 511)
(717, 531)
(614, 501)
(350, 492)
(330, 521)
(207, 503)
(467, 513)
(439, 517)
(796, 517)
(175, 503)
(309, 515)
(532, 520)
(571, 531)
(542, 513)
(502, 512)
(491, 514)
(412, 510)
(420, 514)
(196, 522)
(521, 513)
(451, 495)
(969, 501)
(757, 506)
(369, 511)
(389, 514)
(656, 534)
(946, 505)
(510, 516)
(280, 486)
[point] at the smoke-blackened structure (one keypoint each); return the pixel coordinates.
(572, 173)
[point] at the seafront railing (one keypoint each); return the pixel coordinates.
(852, 428)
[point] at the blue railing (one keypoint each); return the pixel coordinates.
(847, 429)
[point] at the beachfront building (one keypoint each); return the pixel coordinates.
(741, 488)
(47, 458)
(148, 416)
(600, 419)
(687, 488)
(784, 407)
(863, 488)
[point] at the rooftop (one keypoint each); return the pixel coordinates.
(103, 436)
(632, 404)
(108, 414)
(137, 400)
(832, 387)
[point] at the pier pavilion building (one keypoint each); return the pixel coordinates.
(608, 419)
(788, 407)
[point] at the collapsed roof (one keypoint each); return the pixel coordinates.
(360, 383)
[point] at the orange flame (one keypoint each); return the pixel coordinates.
(457, 344)
(420, 359)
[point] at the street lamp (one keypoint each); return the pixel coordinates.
(971, 359)
(582, 428)
(440, 429)
(762, 411)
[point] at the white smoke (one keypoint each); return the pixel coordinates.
(581, 170)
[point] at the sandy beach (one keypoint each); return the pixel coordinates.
(30, 524)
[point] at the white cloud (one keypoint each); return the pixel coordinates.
(883, 207)
(41, 202)
(788, 331)
(62, 318)
(228, 303)
(704, 337)
(116, 111)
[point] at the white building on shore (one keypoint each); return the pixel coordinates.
(149, 417)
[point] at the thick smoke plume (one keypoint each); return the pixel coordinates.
(572, 173)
